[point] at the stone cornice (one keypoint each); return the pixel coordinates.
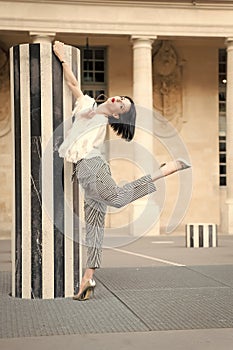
(146, 29)
(155, 3)
(77, 17)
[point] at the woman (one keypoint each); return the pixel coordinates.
(82, 146)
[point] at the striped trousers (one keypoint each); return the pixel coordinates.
(101, 191)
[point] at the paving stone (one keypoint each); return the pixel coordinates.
(127, 300)
(25, 318)
(221, 273)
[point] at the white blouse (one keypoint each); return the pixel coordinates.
(86, 136)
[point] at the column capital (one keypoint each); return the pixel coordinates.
(229, 42)
(143, 39)
(42, 37)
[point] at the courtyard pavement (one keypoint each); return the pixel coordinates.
(153, 293)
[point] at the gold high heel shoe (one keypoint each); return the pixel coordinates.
(87, 292)
(183, 164)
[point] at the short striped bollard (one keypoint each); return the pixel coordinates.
(199, 235)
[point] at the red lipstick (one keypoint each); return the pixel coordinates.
(113, 99)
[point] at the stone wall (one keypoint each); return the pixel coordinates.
(199, 132)
(5, 147)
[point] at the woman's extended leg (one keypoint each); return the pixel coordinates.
(105, 189)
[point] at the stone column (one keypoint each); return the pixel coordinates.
(142, 71)
(44, 239)
(229, 136)
(143, 97)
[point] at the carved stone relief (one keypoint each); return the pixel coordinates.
(167, 83)
(5, 120)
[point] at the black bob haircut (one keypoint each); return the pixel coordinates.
(125, 125)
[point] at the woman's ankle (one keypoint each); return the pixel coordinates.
(170, 168)
(89, 273)
(165, 170)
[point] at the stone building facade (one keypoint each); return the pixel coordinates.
(167, 56)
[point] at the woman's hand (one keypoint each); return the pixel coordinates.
(71, 80)
(58, 48)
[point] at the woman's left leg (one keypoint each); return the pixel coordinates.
(95, 213)
(95, 220)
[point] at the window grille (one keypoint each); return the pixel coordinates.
(94, 80)
(222, 74)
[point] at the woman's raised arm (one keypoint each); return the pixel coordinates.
(71, 81)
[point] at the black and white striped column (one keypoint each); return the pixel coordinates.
(199, 235)
(45, 248)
